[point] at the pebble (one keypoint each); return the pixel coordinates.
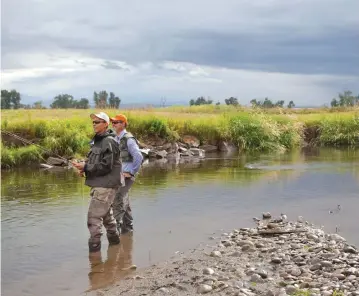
(208, 271)
(266, 215)
(349, 249)
(216, 254)
(276, 260)
(290, 289)
(247, 263)
(315, 267)
(256, 278)
(202, 289)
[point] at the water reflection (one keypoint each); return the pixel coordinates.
(116, 266)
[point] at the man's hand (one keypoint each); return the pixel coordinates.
(127, 175)
(79, 165)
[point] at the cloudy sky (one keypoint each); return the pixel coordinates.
(301, 50)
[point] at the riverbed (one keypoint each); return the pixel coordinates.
(176, 207)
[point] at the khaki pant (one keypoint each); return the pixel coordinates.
(100, 213)
(121, 206)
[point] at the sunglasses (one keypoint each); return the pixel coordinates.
(115, 122)
(97, 122)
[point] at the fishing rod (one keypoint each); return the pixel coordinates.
(30, 143)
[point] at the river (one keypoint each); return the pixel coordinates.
(176, 207)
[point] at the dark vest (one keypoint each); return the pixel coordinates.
(124, 154)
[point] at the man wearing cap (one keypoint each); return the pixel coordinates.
(131, 158)
(103, 172)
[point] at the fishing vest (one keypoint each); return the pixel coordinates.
(124, 154)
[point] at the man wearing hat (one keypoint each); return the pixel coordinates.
(103, 172)
(131, 158)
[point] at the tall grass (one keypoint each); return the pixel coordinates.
(68, 132)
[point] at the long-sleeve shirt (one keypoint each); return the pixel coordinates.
(134, 166)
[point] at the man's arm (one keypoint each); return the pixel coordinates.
(135, 152)
(106, 164)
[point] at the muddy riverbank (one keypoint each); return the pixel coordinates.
(276, 257)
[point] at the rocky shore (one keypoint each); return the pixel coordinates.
(277, 257)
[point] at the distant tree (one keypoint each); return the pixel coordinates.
(95, 99)
(82, 104)
(200, 101)
(279, 103)
(38, 105)
(347, 99)
(254, 103)
(267, 103)
(291, 104)
(231, 101)
(114, 102)
(10, 99)
(218, 103)
(102, 99)
(334, 103)
(63, 101)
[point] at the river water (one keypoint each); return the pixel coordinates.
(176, 207)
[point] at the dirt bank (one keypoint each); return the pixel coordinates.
(274, 258)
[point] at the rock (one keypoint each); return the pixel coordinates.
(203, 288)
(350, 249)
(208, 271)
(157, 154)
(56, 161)
(256, 278)
(351, 278)
(266, 215)
(296, 272)
(197, 152)
(227, 146)
(269, 293)
(326, 264)
(164, 290)
(276, 260)
(186, 153)
(145, 152)
(339, 276)
(208, 148)
(191, 141)
(315, 267)
(216, 254)
(290, 289)
(263, 273)
(336, 237)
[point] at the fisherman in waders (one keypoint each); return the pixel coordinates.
(131, 158)
(103, 172)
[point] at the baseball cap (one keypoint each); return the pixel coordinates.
(119, 117)
(101, 115)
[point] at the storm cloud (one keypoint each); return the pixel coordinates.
(142, 50)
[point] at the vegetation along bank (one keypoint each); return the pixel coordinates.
(67, 132)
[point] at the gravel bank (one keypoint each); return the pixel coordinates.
(277, 257)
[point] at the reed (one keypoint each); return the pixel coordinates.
(68, 132)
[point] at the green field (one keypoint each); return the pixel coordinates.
(67, 132)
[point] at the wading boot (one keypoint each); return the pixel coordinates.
(113, 239)
(94, 247)
(126, 228)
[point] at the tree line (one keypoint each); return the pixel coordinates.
(12, 100)
(345, 99)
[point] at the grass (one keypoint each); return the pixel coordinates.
(68, 132)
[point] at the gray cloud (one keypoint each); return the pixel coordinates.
(317, 37)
